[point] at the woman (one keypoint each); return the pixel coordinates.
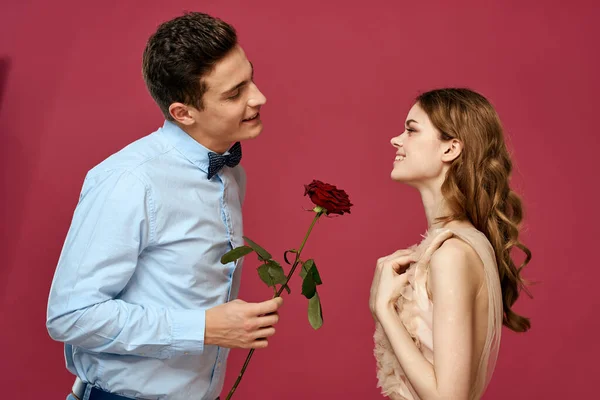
(456, 288)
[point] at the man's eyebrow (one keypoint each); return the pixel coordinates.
(241, 84)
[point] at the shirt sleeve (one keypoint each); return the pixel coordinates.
(113, 223)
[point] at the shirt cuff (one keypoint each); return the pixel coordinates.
(187, 331)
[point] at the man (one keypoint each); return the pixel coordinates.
(139, 297)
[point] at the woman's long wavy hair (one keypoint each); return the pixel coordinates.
(477, 184)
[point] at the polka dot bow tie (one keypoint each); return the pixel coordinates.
(217, 161)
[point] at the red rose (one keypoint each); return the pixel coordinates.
(332, 199)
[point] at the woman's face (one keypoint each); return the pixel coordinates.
(420, 153)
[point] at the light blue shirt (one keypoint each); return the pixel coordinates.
(140, 266)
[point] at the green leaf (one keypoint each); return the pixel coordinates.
(276, 271)
(263, 255)
(310, 278)
(315, 313)
(293, 251)
(315, 274)
(305, 267)
(277, 274)
(236, 253)
(263, 272)
(309, 288)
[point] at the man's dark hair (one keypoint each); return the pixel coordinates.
(180, 53)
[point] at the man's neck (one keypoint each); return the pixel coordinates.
(204, 140)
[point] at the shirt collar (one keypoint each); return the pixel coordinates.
(186, 145)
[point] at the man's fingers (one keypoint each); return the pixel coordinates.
(264, 333)
(267, 320)
(269, 306)
(259, 344)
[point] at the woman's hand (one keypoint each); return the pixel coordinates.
(389, 279)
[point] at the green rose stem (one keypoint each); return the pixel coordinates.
(319, 211)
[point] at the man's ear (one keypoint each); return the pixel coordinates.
(182, 113)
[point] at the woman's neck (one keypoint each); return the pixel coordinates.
(435, 207)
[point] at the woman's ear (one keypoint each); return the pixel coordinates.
(452, 150)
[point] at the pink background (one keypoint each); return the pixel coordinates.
(339, 77)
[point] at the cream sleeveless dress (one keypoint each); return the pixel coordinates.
(415, 310)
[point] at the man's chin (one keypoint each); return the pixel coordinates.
(253, 134)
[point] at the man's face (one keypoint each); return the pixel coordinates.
(231, 102)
